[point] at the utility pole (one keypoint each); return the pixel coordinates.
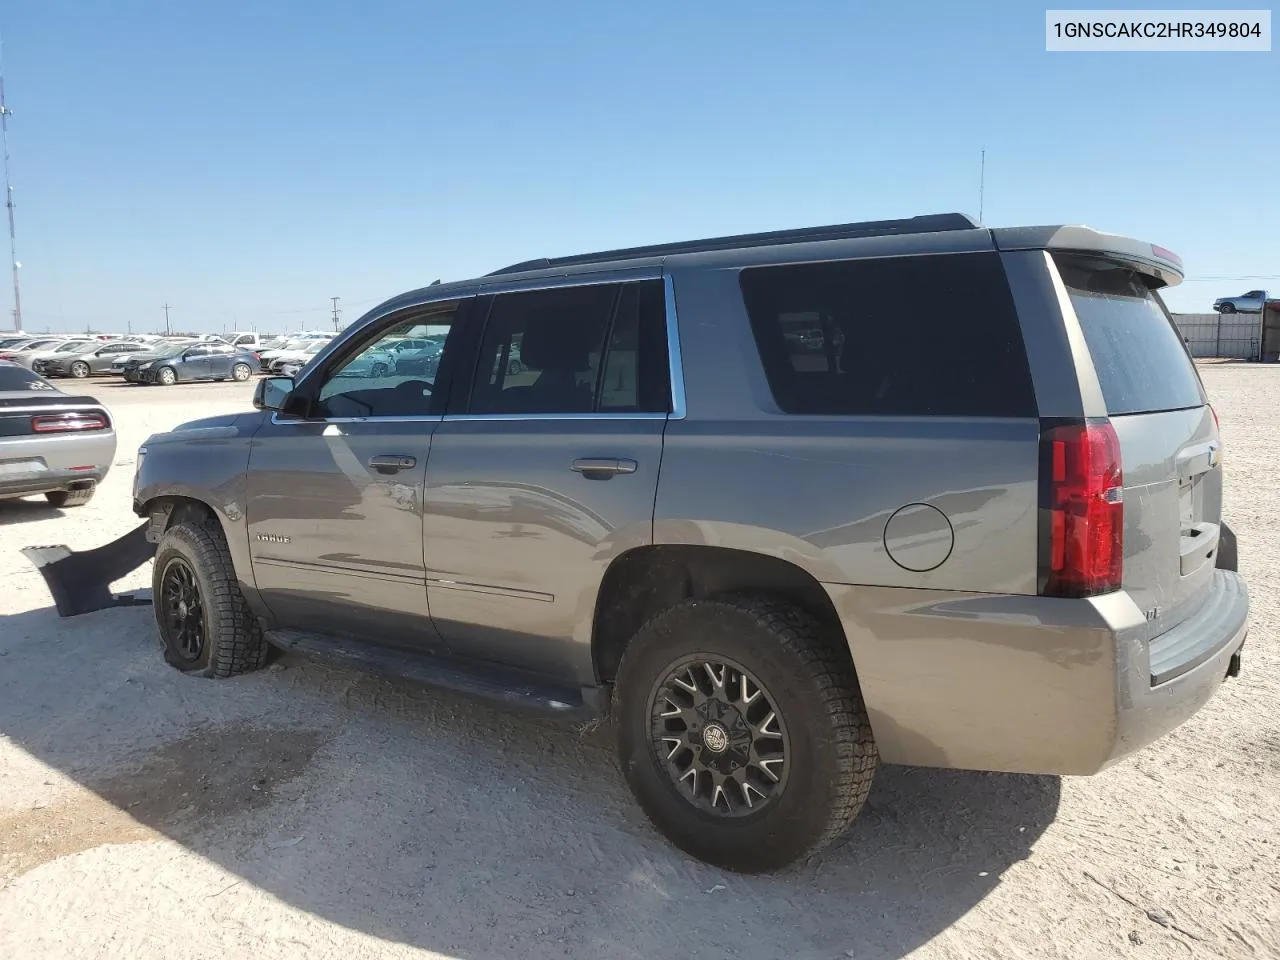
(167, 332)
(982, 182)
(336, 313)
(8, 192)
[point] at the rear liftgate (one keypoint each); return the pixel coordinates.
(81, 582)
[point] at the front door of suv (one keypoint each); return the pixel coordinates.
(335, 486)
(548, 471)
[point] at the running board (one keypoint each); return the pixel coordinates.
(471, 678)
(80, 581)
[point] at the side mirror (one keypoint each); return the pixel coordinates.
(272, 392)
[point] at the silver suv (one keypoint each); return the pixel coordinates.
(777, 519)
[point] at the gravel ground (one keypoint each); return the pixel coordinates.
(304, 812)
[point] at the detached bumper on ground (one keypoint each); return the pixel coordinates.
(81, 582)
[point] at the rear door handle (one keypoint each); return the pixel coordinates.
(392, 462)
(602, 468)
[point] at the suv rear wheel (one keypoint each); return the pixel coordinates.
(205, 625)
(742, 733)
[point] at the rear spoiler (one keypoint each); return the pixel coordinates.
(1149, 258)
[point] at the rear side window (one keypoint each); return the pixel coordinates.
(1140, 358)
(898, 336)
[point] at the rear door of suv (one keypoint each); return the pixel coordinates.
(1168, 436)
(542, 472)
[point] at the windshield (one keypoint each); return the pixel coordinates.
(297, 345)
(75, 346)
(315, 347)
(169, 349)
(83, 347)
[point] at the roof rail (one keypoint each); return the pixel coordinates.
(931, 223)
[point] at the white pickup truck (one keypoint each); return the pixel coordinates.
(1251, 302)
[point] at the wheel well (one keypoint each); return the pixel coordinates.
(166, 512)
(643, 582)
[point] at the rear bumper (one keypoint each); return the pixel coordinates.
(1031, 684)
(1162, 683)
(49, 462)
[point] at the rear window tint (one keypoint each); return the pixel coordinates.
(13, 377)
(898, 336)
(1140, 358)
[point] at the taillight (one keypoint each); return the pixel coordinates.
(69, 422)
(1082, 510)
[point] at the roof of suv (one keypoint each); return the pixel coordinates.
(931, 233)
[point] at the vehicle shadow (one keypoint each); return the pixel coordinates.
(26, 511)
(448, 824)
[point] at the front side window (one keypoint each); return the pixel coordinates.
(382, 380)
(573, 350)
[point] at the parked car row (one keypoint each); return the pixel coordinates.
(147, 358)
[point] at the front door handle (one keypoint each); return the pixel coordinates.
(602, 468)
(392, 462)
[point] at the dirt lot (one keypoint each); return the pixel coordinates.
(305, 812)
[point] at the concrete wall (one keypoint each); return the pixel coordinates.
(1233, 335)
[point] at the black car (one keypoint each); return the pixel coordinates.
(194, 361)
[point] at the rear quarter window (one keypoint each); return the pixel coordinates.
(895, 336)
(1141, 361)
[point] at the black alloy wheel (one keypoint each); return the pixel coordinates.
(719, 736)
(182, 610)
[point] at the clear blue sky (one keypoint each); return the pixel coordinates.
(247, 161)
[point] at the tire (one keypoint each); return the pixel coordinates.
(803, 675)
(193, 557)
(58, 499)
(166, 376)
(241, 372)
(378, 371)
(80, 370)
(1228, 308)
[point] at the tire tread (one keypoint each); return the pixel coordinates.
(826, 669)
(238, 644)
(70, 498)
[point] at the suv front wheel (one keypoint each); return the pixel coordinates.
(742, 732)
(206, 628)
